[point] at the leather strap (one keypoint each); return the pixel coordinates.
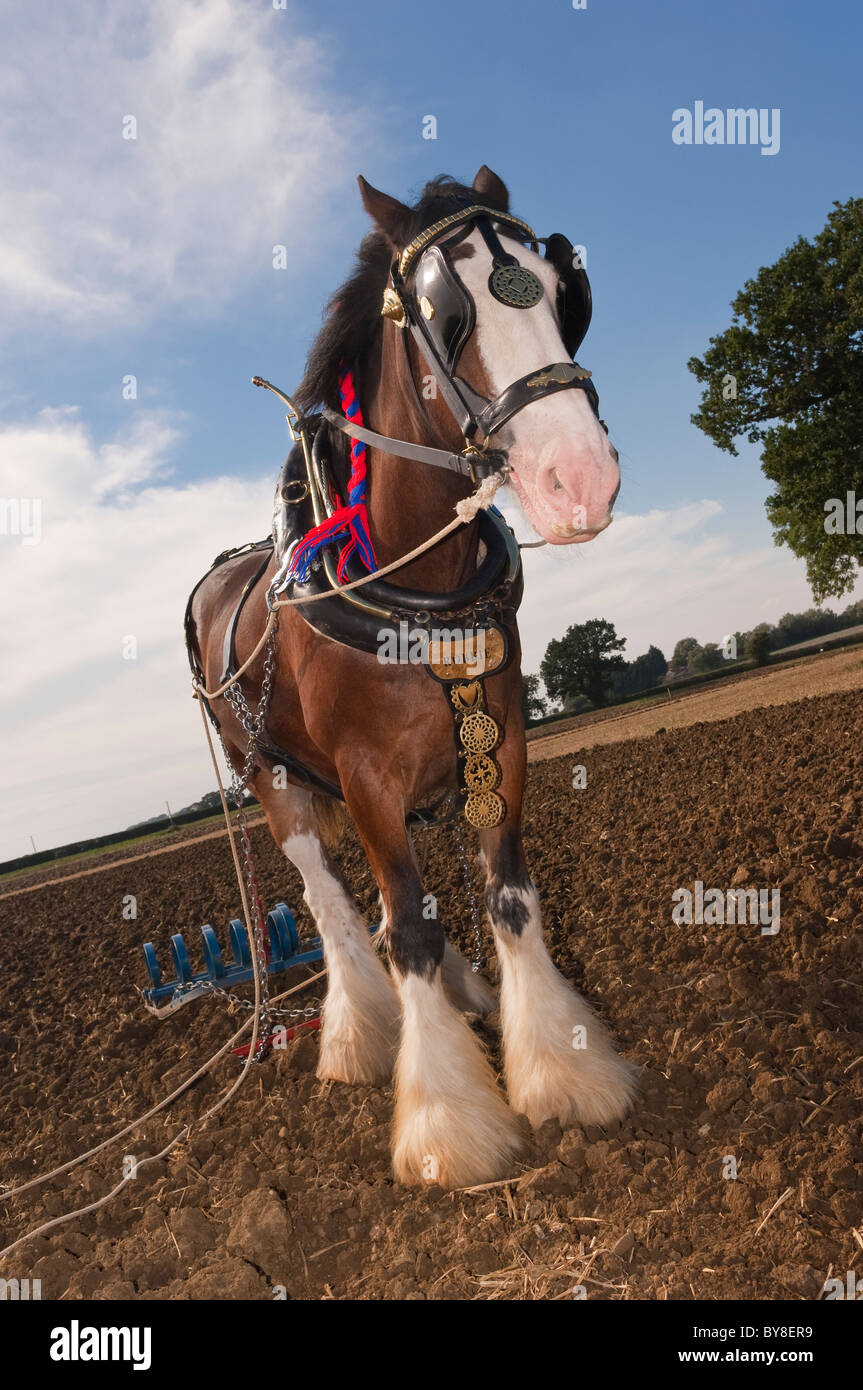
(473, 466)
(535, 386)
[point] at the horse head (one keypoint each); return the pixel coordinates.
(495, 325)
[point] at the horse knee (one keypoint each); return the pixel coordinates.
(415, 937)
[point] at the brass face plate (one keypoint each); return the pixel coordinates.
(479, 733)
(481, 773)
(467, 654)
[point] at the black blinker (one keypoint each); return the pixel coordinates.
(577, 303)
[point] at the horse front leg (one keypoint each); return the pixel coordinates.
(452, 1125)
(558, 1059)
(360, 1017)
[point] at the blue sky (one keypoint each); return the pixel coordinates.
(153, 257)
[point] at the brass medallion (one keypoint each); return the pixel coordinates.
(515, 286)
(467, 697)
(479, 733)
(560, 375)
(481, 773)
(484, 809)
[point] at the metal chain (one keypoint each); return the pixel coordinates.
(254, 725)
(477, 962)
(311, 1010)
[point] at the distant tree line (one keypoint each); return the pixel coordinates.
(198, 810)
(584, 669)
(690, 658)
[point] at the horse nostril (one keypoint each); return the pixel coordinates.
(614, 497)
(557, 484)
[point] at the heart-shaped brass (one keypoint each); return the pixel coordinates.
(466, 697)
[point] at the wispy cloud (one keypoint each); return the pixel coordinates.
(240, 144)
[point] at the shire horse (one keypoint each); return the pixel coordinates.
(454, 282)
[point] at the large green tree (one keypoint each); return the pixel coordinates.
(706, 658)
(788, 374)
(583, 662)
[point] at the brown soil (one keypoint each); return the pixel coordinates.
(749, 1045)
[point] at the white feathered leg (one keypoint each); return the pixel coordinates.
(361, 1014)
(558, 1059)
(452, 1125)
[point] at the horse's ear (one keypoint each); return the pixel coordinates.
(491, 189)
(388, 214)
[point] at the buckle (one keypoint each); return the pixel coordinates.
(469, 454)
(490, 460)
(300, 495)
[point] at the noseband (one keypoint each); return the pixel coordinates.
(427, 297)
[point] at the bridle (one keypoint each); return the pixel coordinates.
(427, 298)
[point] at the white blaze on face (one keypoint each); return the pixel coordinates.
(564, 471)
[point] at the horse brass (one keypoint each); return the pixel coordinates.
(478, 651)
(484, 809)
(479, 732)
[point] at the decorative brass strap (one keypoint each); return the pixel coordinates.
(479, 772)
(419, 243)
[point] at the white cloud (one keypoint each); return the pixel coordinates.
(93, 741)
(240, 145)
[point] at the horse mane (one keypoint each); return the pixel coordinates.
(352, 323)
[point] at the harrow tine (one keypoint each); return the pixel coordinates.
(181, 959)
(240, 944)
(212, 953)
(163, 997)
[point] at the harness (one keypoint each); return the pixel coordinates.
(426, 297)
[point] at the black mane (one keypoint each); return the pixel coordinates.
(353, 317)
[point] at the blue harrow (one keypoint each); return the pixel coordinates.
(285, 951)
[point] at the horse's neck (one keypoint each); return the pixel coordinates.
(408, 501)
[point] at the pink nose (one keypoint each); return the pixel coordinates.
(579, 496)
